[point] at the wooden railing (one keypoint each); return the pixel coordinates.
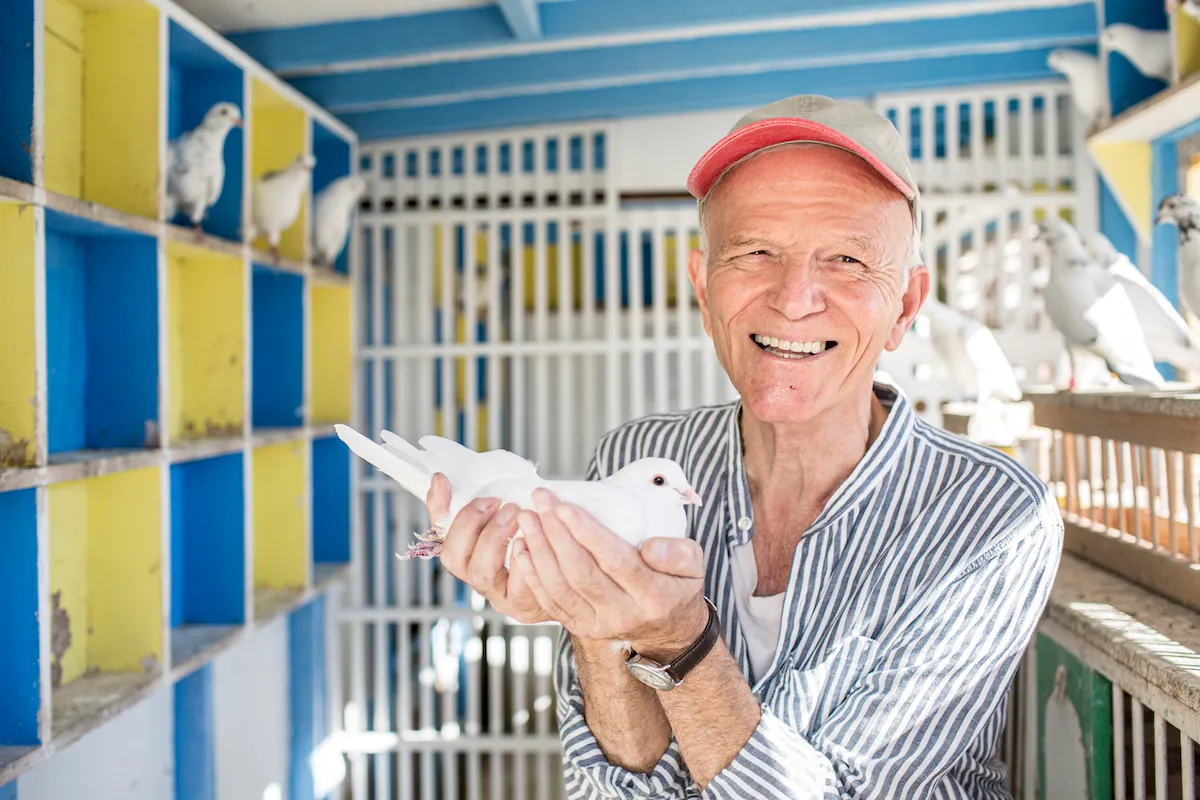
(1124, 469)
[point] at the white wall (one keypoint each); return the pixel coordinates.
(130, 758)
(251, 716)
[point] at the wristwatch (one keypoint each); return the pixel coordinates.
(665, 677)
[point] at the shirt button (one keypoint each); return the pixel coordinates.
(744, 524)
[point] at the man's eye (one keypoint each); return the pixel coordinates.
(847, 259)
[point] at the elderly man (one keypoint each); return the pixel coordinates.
(857, 588)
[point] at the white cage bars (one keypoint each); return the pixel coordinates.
(506, 298)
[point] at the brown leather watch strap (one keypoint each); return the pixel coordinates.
(688, 659)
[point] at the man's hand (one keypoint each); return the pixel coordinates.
(600, 587)
(474, 551)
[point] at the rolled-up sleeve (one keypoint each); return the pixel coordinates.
(587, 771)
(907, 724)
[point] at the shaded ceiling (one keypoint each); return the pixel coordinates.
(391, 68)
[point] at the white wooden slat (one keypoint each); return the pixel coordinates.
(539, 434)
(1139, 750)
(683, 295)
(1118, 728)
(658, 250)
(517, 333)
(1160, 757)
(1188, 766)
(567, 366)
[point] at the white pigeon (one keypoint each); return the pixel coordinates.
(196, 171)
(331, 217)
(1167, 335)
(1092, 310)
(644, 498)
(969, 350)
(1085, 75)
(1190, 7)
(277, 196)
(1182, 211)
(1148, 50)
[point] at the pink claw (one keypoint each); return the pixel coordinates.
(428, 545)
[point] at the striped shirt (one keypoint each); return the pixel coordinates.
(910, 601)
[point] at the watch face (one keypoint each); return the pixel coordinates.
(654, 678)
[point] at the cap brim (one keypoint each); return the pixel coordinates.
(778, 130)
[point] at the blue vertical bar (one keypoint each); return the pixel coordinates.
(1164, 268)
(306, 684)
(195, 767)
(8, 791)
(20, 701)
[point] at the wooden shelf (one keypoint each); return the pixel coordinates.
(131, 391)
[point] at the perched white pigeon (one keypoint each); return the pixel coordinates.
(1190, 7)
(1167, 335)
(1092, 310)
(277, 196)
(969, 350)
(1148, 50)
(1089, 91)
(196, 173)
(643, 499)
(1182, 211)
(331, 217)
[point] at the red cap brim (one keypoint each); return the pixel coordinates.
(778, 130)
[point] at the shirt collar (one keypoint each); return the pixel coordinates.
(881, 459)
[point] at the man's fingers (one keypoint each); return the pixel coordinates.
(459, 546)
(485, 571)
(619, 560)
(580, 567)
(549, 574)
(683, 558)
(438, 498)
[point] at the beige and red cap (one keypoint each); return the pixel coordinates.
(853, 127)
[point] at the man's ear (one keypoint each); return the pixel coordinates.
(698, 274)
(910, 303)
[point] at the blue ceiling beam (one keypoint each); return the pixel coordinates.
(730, 91)
(296, 49)
(522, 18)
(489, 78)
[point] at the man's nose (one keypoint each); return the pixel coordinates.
(797, 291)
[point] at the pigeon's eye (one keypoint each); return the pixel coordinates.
(659, 480)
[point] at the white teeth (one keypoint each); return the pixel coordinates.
(775, 343)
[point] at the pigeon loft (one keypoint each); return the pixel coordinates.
(198, 78)
(279, 133)
(163, 487)
(281, 525)
(1127, 85)
(105, 618)
(100, 140)
(206, 312)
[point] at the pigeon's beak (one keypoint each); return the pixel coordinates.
(1161, 217)
(690, 497)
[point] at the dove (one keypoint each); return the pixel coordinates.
(642, 499)
(1167, 335)
(1190, 7)
(331, 217)
(1089, 90)
(1182, 211)
(277, 196)
(1148, 50)
(969, 350)
(1092, 310)
(196, 171)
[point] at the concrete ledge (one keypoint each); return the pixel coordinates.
(1141, 641)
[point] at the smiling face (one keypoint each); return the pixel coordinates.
(803, 284)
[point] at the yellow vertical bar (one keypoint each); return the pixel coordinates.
(69, 623)
(18, 335)
(277, 136)
(280, 516)
(331, 353)
(124, 571)
(63, 131)
(120, 108)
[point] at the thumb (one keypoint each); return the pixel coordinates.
(682, 558)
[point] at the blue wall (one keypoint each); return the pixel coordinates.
(194, 758)
(208, 566)
(278, 331)
(16, 91)
(19, 657)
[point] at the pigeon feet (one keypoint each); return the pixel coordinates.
(428, 545)
(199, 232)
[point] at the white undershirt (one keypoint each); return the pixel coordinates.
(759, 616)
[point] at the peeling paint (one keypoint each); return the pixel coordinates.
(60, 637)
